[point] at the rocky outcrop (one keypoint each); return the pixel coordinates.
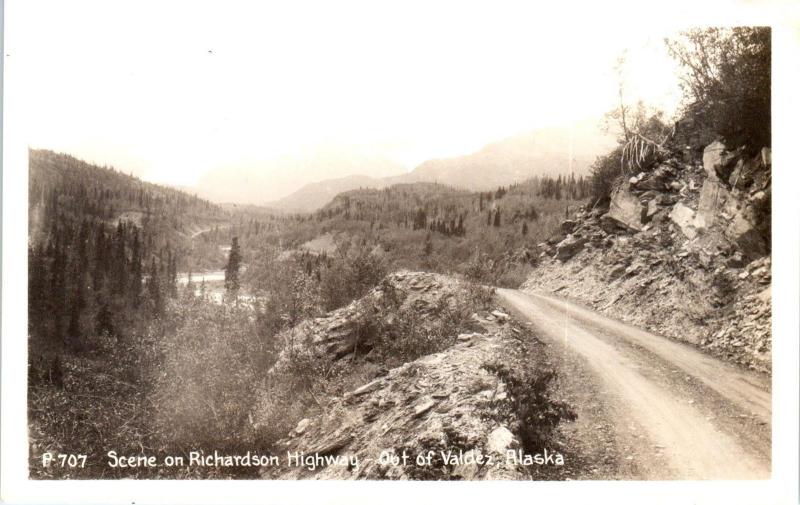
(447, 403)
(625, 209)
(680, 252)
(568, 247)
(717, 161)
(341, 332)
(684, 218)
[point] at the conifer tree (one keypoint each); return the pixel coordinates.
(136, 270)
(154, 288)
(232, 268)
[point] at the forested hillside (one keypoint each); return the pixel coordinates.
(491, 236)
(104, 247)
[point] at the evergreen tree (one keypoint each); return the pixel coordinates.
(154, 288)
(136, 270)
(232, 269)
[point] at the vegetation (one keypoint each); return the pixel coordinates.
(121, 356)
(727, 83)
(727, 95)
(233, 266)
(489, 236)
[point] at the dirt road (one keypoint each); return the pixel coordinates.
(649, 407)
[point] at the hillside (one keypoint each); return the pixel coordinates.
(418, 364)
(104, 247)
(683, 251)
(65, 189)
(487, 235)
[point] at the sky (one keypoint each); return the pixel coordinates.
(171, 90)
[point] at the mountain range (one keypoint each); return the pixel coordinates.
(330, 171)
(549, 151)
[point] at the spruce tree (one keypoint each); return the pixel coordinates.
(136, 270)
(154, 288)
(232, 268)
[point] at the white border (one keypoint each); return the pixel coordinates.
(782, 488)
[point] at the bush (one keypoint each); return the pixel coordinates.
(606, 174)
(727, 82)
(350, 276)
(206, 376)
(407, 336)
(529, 401)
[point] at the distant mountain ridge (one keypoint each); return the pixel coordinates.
(316, 195)
(550, 151)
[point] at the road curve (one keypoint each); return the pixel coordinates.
(684, 414)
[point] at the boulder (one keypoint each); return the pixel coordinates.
(569, 247)
(625, 209)
(301, 426)
(423, 406)
(684, 217)
(717, 161)
(743, 232)
(500, 440)
(652, 208)
(713, 196)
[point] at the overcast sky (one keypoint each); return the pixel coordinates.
(172, 89)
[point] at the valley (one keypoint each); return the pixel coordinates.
(543, 308)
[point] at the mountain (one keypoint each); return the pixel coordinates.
(544, 152)
(63, 190)
(317, 194)
(261, 182)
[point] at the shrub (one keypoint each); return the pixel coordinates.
(605, 175)
(727, 82)
(206, 376)
(350, 276)
(529, 401)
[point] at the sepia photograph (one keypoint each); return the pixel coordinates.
(374, 242)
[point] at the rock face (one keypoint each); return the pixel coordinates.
(341, 332)
(447, 401)
(684, 217)
(743, 232)
(713, 197)
(625, 209)
(568, 247)
(717, 161)
(676, 252)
